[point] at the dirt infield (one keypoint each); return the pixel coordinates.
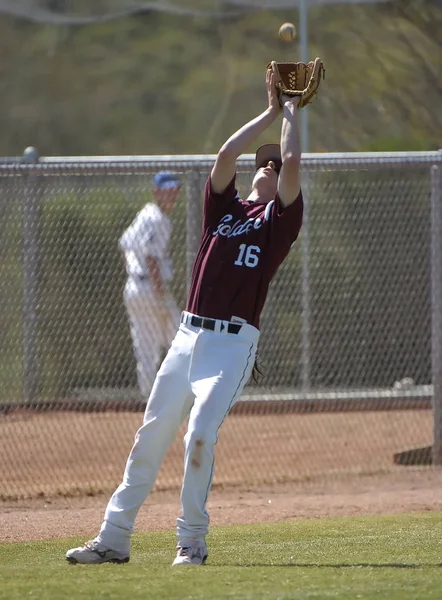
(58, 469)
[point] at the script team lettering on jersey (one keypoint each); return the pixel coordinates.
(238, 228)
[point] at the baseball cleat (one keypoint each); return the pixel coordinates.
(94, 553)
(194, 554)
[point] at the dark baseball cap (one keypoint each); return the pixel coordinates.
(165, 180)
(268, 152)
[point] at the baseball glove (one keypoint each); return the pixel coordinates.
(298, 79)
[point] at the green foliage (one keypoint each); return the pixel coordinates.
(365, 228)
(159, 83)
(11, 300)
(82, 315)
(382, 558)
(396, 144)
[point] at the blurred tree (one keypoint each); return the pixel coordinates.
(154, 82)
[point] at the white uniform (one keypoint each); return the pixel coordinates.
(152, 333)
(196, 378)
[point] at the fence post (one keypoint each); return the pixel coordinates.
(436, 309)
(31, 259)
(305, 286)
(193, 220)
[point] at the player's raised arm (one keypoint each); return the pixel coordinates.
(225, 164)
(289, 178)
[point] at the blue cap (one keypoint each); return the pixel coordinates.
(166, 180)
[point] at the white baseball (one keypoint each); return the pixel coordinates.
(287, 32)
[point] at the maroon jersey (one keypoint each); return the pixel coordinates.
(243, 243)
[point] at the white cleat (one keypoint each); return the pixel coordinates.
(94, 553)
(194, 554)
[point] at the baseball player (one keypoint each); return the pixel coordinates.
(213, 353)
(153, 314)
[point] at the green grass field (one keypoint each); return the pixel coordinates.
(390, 558)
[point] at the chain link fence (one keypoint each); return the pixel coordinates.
(351, 332)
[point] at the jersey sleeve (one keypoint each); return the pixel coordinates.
(216, 205)
(287, 220)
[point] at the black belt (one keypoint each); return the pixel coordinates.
(206, 323)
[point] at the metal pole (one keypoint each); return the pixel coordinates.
(305, 288)
(30, 256)
(305, 234)
(303, 54)
(193, 220)
(436, 309)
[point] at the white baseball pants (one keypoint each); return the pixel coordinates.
(203, 374)
(150, 333)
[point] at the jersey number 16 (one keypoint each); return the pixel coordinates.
(248, 256)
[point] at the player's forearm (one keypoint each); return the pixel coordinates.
(238, 143)
(155, 276)
(158, 286)
(290, 144)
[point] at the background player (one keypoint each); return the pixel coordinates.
(212, 356)
(153, 314)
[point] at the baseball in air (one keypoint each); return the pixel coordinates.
(287, 32)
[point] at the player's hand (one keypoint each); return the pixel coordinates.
(293, 100)
(272, 94)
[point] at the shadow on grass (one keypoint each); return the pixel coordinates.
(345, 565)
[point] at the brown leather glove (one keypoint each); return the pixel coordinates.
(298, 79)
